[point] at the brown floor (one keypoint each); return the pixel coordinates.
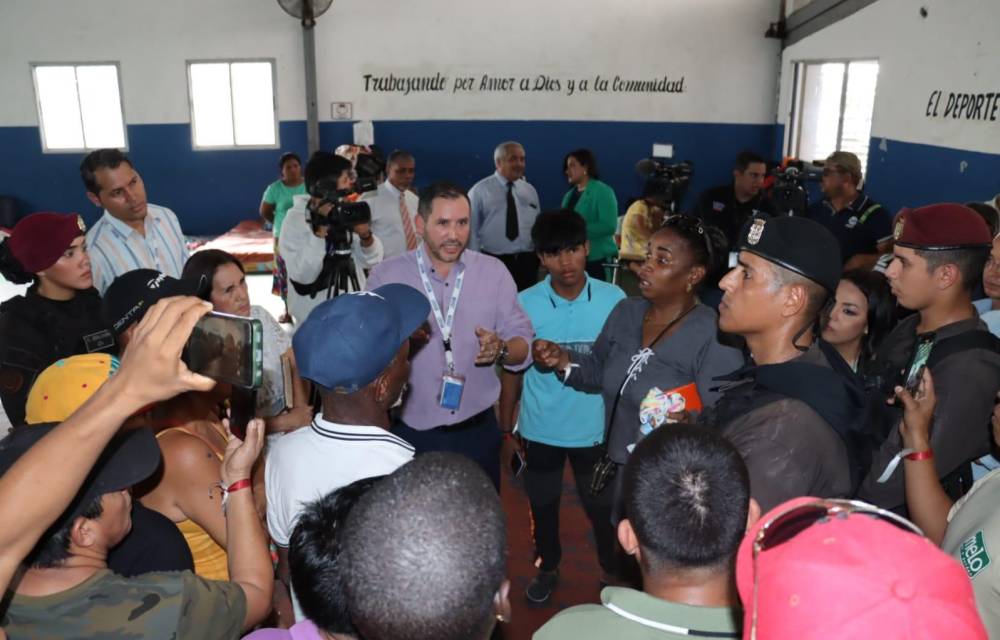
(579, 571)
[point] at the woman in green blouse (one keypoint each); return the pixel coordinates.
(596, 202)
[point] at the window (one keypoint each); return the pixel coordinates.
(232, 104)
(79, 106)
(832, 109)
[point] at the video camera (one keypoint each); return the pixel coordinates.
(789, 193)
(344, 215)
(369, 167)
(666, 181)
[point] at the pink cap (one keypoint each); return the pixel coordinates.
(855, 577)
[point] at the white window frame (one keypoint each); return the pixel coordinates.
(38, 102)
(274, 97)
(794, 129)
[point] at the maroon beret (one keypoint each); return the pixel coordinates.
(38, 240)
(940, 227)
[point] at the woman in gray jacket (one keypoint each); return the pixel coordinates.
(664, 339)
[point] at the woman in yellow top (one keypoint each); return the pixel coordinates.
(643, 218)
(186, 490)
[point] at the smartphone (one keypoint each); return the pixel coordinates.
(227, 348)
(925, 343)
(242, 407)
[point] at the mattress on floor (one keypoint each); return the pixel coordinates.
(252, 245)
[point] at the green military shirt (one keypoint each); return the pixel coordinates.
(627, 614)
(174, 605)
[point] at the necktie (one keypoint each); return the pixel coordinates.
(404, 213)
(511, 213)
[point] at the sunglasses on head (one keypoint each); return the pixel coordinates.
(789, 523)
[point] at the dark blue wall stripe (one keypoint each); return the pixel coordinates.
(213, 190)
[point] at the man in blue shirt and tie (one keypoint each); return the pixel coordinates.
(555, 421)
(504, 207)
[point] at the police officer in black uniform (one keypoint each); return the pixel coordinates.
(861, 225)
(730, 206)
(794, 412)
(59, 315)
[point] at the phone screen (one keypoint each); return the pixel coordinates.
(228, 349)
(925, 343)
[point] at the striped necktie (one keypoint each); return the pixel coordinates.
(404, 213)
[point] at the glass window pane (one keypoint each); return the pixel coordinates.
(253, 103)
(861, 80)
(101, 106)
(211, 105)
(820, 111)
(59, 107)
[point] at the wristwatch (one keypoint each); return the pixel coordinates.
(504, 352)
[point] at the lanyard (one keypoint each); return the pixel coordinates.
(445, 322)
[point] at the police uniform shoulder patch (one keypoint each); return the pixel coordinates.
(756, 231)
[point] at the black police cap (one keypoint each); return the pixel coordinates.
(800, 245)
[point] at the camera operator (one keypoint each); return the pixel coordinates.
(308, 240)
(863, 227)
(731, 206)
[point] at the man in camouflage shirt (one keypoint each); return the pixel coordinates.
(68, 591)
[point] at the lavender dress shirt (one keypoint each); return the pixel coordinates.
(488, 300)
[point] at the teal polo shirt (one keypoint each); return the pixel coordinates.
(552, 413)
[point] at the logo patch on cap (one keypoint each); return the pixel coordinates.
(79, 223)
(756, 231)
(897, 233)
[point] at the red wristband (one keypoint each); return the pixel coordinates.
(921, 455)
(239, 484)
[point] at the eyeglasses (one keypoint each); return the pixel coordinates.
(786, 525)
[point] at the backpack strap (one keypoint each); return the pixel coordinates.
(977, 339)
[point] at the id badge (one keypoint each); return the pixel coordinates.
(452, 385)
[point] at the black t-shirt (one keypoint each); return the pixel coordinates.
(154, 544)
(719, 207)
(858, 227)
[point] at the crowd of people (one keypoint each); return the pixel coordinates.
(786, 433)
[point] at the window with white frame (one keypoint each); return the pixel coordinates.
(832, 109)
(79, 106)
(232, 104)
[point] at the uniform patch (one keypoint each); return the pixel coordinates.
(98, 341)
(756, 231)
(974, 555)
(852, 222)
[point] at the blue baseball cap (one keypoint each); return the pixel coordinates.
(346, 342)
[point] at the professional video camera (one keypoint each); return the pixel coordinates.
(369, 168)
(669, 181)
(339, 275)
(789, 193)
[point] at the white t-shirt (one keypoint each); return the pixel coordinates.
(306, 464)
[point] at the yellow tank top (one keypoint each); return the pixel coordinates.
(210, 560)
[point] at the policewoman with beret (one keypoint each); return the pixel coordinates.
(938, 256)
(59, 315)
(793, 412)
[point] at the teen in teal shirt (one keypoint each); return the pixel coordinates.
(556, 422)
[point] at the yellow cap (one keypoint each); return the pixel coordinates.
(64, 386)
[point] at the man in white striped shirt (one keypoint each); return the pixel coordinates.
(132, 234)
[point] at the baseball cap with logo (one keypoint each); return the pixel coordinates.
(850, 575)
(129, 458)
(132, 294)
(64, 386)
(346, 342)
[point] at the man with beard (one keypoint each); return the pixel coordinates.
(477, 323)
(355, 348)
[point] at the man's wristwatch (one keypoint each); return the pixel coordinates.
(502, 355)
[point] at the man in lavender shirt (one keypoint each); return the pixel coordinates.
(475, 312)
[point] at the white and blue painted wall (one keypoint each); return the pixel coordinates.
(726, 103)
(936, 123)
